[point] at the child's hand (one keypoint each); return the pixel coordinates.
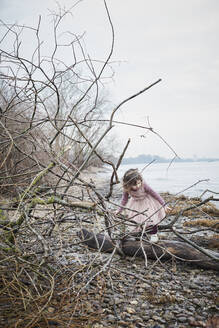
(168, 209)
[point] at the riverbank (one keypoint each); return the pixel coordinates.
(87, 288)
(162, 294)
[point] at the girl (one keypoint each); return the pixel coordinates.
(145, 206)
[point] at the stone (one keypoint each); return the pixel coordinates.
(130, 310)
(134, 302)
(118, 300)
(182, 319)
(110, 318)
(51, 309)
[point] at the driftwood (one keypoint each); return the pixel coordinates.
(164, 249)
(211, 242)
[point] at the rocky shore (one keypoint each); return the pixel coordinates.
(127, 292)
(94, 289)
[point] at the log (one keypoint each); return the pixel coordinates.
(166, 249)
(211, 242)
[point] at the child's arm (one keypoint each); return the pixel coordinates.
(124, 201)
(154, 194)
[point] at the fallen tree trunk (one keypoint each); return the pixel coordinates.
(211, 242)
(164, 250)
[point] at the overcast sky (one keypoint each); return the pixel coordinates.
(176, 41)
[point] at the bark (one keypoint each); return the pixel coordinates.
(211, 242)
(165, 249)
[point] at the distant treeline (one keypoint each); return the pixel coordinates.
(149, 158)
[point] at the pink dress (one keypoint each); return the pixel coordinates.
(144, 206)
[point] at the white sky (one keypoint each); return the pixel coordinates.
(176, 41)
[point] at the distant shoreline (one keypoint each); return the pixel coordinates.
(141, 159)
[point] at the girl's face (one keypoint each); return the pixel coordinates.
(136, 186)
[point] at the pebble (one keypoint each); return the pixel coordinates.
(51, 309)
(97, 325)
(118, 300)
(130, 310)
(182, 319)
(141, 290)
(111, 318)
(134, 302)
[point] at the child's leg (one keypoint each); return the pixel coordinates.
(152, 230)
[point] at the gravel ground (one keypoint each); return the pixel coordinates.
(127, 293)
(97, 290)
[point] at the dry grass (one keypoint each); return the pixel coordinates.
(179, 204)
(42, 298)
(210, 223)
